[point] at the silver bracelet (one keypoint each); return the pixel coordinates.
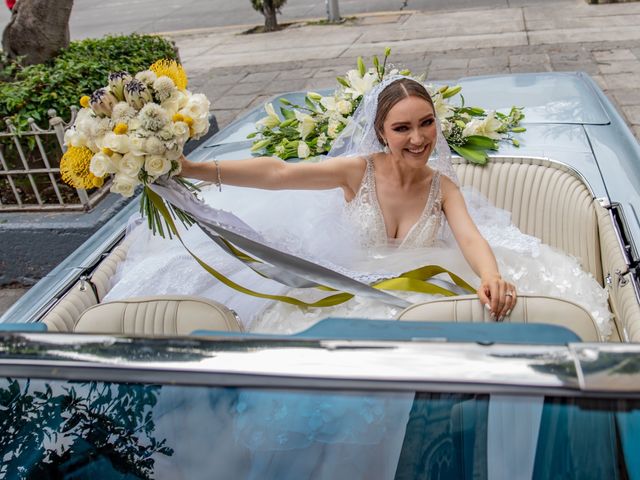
(219, 179)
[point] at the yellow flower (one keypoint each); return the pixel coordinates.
(85, 101)
(74, 168)
(171, 69)
(178, 117)
(120, 129)
(107, 151)
(188, 120)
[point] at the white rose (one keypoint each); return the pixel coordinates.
(73, 138)
(124, 185)
(156, 165)
(101, 165)
(137, 145)
(173, 151)
(181, 131)
(200, 127)
(183, 98)
(154, 146)
(131, 164)
(344, 107)
(84, 121)
(198, 105)
(116, 143)
(303, 150)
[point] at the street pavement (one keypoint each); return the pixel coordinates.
(95, 18)
(238, 71)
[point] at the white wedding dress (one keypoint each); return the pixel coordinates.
(351, 237)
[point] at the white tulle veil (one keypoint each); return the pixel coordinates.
(359, 136)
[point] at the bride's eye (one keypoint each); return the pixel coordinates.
(401, 128)
(428, 122)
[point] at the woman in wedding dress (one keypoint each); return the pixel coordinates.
(377, 206)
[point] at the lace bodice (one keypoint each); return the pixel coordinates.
(365, 214)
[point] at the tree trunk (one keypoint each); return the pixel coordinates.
(270, 20)
(38, 29)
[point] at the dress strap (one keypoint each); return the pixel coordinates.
(434, 192)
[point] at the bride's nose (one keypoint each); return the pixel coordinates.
(416, 137)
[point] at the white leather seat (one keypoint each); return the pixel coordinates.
(177, 315)
(528, 309)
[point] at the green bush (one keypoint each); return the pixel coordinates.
(78, 70)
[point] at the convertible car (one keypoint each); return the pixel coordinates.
(172, 387)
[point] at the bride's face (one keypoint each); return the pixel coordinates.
(410, 130)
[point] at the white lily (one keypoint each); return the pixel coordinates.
(487, 127)
(306, 124)
(303, 150)
(443, 109)
(360, 85)
(271, 120)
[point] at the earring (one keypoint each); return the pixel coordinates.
(386, 148)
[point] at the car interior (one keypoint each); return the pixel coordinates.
(546, 200)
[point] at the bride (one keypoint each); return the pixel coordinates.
(378, 205)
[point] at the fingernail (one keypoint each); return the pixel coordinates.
(508, 313)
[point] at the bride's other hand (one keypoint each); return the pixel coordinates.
(497, 295)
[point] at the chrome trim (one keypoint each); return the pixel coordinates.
(576, 369)
(535, 160)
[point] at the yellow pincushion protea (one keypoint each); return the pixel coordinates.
(171, 69)
(74, 168)
(85, 101)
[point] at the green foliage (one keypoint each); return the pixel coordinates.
(259, 4)
(78, 70)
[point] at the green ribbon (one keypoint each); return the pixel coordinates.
(411, 281)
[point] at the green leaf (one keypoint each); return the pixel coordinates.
(450, 92)
(343, 81)
(361, 67)
(474, 156)
(288, 114)
(310, 104)
(481, 141)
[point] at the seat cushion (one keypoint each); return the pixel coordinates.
(177, 315)
(528, 309)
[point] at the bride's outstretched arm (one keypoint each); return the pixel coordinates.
(274, 174)
(494, 291)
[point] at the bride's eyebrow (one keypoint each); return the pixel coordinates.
(399, 124)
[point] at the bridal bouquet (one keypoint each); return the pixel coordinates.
(133, 131)
(303, 131)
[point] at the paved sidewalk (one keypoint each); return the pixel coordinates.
(240, 71)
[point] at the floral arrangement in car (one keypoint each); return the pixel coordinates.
(134, 131)
(309, 130)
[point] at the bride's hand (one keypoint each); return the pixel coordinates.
(497, 295)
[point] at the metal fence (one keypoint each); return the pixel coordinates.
(29, 169)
